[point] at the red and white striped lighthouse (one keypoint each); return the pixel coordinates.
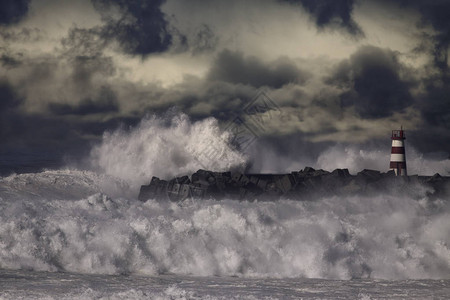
(398, 158)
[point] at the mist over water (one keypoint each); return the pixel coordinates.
(90, 221)
(354, 159)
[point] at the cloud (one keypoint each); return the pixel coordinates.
(12, 11)
(34, 141)
(8, 61)
(63, 86)
(8, 98)
(24, 134)
(199, 40)
(434, 13)
(105, 102)
(374, 82)
(201, 98)
(139, 27)
(84, 42)
(9, 101)
(86, 68)
(434, 106)
(437, 14)
(54, 106)
(233, 67)
(332, 13)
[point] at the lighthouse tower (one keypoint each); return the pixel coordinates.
(398, 158)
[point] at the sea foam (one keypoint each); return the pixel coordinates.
(165, 146)
(90, 221)
(339, 238)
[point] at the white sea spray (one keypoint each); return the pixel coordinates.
(338, 237)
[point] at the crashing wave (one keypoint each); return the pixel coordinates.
(378, 236)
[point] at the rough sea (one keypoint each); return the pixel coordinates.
(77, 234)
(70, 234)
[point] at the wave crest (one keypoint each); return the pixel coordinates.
(338, 238)
(164, 146)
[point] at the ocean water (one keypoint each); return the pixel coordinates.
(45, 285)
(71, 234)
(77, 234)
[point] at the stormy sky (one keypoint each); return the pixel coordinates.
(340, 72)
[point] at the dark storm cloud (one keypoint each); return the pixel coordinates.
(331, 13)
(203, 40)
(233, 67)
(61, 102)
(35, 141)
(12, 11)
(54, 106)
(437, 14)
(9, 61)
(434, 106)
(9, 101)
(11, 35)
(84, 42)
(23, 136)
(86, 67)
(198, 98)
(7, 97)
(141, 28)
(372, 82)
(105, 102)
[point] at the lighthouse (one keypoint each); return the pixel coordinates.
(398, 158)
